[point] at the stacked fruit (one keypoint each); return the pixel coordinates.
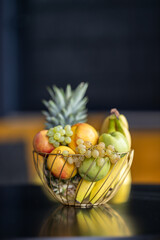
(74, 148)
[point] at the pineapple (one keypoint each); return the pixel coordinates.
(66, 107)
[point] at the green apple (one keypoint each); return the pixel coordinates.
(117, 139)
(91, 171)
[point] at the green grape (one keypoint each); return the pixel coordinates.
(62, 132)
(70, 160)
(79, 141)
(101, 153)
(76, 159)
(61, 139)
(67, 128)
(111, 147)
(65, 153)
(101, 146)
(60, 126)
(67, 140)
(82, 151)
(118, 157)
(95, 153)
(51, 140)
(108, 152)
(88, 144)
(114, 158)
(54, 129)
(57, 129)
(69, 133)
(50, 132)
(56, 144)
(77, 150)
(57, 136)
(81, 146)
(88, 154)
(81, 158)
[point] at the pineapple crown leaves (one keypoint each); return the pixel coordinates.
(66, 107)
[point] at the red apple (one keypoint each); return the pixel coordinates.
(41, 143)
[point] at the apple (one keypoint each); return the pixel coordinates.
(41, 143)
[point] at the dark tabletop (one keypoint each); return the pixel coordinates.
(26, 212)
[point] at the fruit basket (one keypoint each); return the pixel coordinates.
(78, 165)
(66, 192)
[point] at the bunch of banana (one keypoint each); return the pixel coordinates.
(121, 125)
(115, 130)
(103, 186)
(116, 122)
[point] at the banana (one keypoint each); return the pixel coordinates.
(121, 117)
(121, 128)
(105, 125)
(124, 121)
(123, 193)
(101, 187)
(83, 189)
(121, 125)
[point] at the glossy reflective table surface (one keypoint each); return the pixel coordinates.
(26, 212)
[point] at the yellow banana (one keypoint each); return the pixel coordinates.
(124, 121)
(120, 127)
(83, 189)
(101, 187)
(105, 125)
(123, 193)
(113, 113)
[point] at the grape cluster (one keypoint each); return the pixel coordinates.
(59, 135)
(73, 158)
(100, 152)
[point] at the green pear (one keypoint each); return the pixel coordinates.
(116, 139)
(91, 171)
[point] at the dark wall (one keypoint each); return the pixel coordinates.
(114, 45)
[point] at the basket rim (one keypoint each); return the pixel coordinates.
(70, 154)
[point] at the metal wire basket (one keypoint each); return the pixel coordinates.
(65, 191)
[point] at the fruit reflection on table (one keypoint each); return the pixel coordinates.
(99, 221)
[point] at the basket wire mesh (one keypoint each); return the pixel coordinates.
(66, 191)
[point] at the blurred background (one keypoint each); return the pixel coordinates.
(113, 45)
